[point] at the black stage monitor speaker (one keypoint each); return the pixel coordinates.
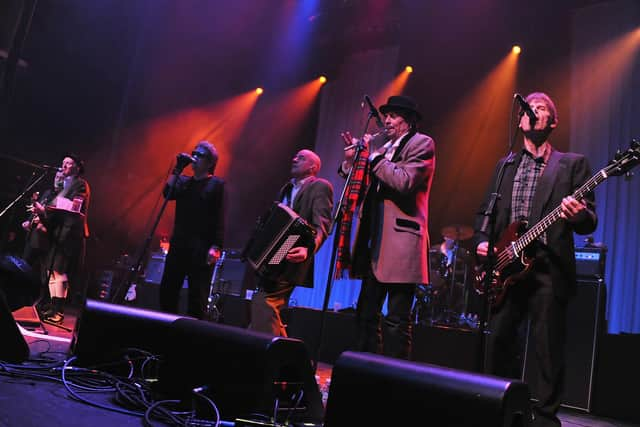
(585, 325)
(241, 371)
(14, 348)
(19, 287)
(368, 389)
(104, 331)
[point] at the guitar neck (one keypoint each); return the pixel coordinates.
(536, 231)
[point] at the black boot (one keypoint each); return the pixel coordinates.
(57, 312)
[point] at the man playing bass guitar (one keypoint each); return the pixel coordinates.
(536, 181)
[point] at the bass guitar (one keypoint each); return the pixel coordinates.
(513, 262)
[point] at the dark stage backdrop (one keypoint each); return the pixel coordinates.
(605, 100)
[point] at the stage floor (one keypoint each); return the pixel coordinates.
(39, 402)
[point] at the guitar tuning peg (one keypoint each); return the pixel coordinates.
(618, 154)
(635, 143)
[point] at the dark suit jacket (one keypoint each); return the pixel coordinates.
(314, 203)
(199, 216)
(564, 173)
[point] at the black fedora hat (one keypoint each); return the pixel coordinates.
(401, 103)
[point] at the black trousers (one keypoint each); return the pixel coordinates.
(181, 263)
(533, 299)
(393, 335)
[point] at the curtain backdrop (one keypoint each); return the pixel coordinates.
(340, 109)
(605, 116)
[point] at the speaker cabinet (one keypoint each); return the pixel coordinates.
(14, 348)
(368, 389)
(105, 330)
(446, 346)
(339, 331)
(242, 371)
(585, 326)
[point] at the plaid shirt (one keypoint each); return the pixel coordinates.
(524, 184)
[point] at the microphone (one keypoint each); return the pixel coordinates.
(526, 108)
(49, 167)
(373, 111)
(185, 157)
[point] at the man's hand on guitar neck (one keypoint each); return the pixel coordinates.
(572, 209)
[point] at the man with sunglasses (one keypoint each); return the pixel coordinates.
(198, 230)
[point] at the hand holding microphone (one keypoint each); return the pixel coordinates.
(182, 160)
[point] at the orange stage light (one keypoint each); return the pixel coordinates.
(259, 91)
(322, 79)
(474, 134)
(395, 87)
(516, 49)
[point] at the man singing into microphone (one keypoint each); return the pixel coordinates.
(198, 230)
(536, 181)
(392, 243)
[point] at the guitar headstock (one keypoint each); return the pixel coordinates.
(624, 161)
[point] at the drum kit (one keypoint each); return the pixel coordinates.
(450, 298)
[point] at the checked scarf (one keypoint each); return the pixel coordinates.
(357, 185)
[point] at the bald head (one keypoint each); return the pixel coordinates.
(305, 163)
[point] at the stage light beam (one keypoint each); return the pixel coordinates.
(408, 69)
(259, 91)
(322, 79)
(516, 49)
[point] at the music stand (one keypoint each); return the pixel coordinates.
(335, 225)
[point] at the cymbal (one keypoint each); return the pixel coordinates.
(457, 232)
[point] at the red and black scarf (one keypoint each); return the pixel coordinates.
(357, 185)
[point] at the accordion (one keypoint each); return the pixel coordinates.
(276, 233)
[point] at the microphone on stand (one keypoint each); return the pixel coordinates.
(526, 108)
(373, 112)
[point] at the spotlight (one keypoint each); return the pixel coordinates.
(516, 49)
(322, 79)
(408, 69)
(259, 91)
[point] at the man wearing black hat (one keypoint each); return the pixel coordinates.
(392, 240)
(65, 219)
(198, 230)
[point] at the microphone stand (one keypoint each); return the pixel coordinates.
(45, 171)
(488, 226)
(337, 220)
(134, 271)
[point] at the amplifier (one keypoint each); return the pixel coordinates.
(590, 262)
(231, 276)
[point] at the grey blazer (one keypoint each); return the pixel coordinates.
(395, 214)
